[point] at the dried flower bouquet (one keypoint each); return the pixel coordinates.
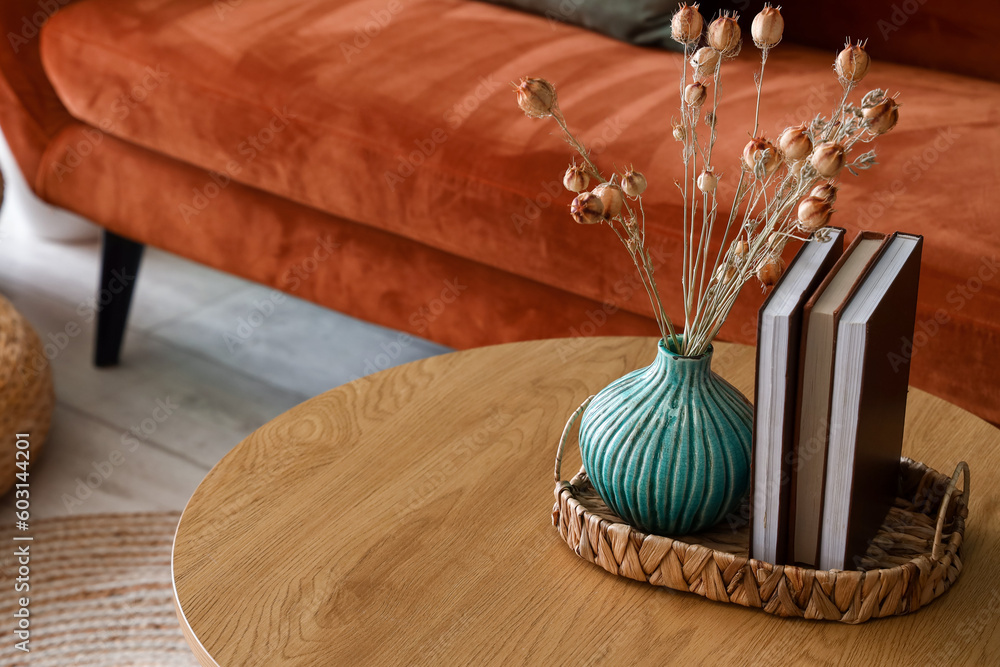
(785, 190)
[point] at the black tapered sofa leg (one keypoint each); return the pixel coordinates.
(119, 271)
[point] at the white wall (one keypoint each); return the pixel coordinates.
(24, 213)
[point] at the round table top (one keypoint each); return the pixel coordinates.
(405, 518)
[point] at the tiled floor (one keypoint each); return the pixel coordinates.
(182, 354)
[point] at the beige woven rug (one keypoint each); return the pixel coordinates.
(100, 593)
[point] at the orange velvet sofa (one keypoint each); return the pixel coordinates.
(251, 134)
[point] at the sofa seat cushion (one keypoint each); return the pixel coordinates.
(398, 115)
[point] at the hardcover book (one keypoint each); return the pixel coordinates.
(812, 424)
(868, 403)
(779, 332)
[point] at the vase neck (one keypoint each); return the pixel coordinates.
(683, 369)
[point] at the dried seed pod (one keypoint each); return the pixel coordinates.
(587, 209)
(633, 183)
(770, 270)
(695, 94)
(814, 213)
(750, 151)
(576, 178)
(708, 181)
(762, 150)
(828, 159)
(740, 249)
(852, 63)
(536, 97)
(882, 117)
(795, 143)
(680, 134)
(767, 27)
(825, 191)
(724, 35)
(611, 197)
(710, 119)
(704, 61)
(686, 25)
(725, 273)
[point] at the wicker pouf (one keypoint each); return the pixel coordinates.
(101, 593)
(26, 397)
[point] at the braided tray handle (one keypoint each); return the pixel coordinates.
(962, 467)
(565, 435)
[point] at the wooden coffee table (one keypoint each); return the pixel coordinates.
(405, 519)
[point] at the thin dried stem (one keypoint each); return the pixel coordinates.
(762, 217)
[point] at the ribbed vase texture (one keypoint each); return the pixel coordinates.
(667, 447)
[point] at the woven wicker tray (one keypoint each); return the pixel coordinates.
(914, 558)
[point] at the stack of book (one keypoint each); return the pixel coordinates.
(831, 398)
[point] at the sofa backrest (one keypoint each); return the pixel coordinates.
(943, 35)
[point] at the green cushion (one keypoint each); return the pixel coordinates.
(642, 22)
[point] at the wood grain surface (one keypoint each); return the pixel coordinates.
(405, 519)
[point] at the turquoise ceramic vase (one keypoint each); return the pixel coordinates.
(667, 447)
